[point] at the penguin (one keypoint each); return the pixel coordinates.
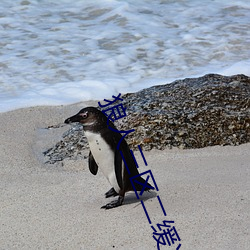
(105, 155)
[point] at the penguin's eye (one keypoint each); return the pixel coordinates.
(84, 115)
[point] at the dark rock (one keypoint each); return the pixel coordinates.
(190, 113)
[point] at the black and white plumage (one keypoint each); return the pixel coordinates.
(105, 155)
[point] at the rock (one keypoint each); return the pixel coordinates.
(190, 113)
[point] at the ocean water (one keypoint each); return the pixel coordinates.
(61, 52)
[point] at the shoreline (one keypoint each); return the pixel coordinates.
(205, 191)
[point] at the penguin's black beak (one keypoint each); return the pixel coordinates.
(74, 118)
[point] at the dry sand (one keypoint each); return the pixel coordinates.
(204, 191)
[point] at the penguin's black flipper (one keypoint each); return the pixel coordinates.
(93, 167)
(118, 167)
(111, 193)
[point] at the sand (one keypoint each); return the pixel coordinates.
(204, 191)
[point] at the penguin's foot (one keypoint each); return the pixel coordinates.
(113, 204)
(111, 193)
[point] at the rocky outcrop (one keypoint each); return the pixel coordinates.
(190, 113)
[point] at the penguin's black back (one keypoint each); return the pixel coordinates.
(113, 138)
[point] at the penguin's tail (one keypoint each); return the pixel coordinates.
(139, 184)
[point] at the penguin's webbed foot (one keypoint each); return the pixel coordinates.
(113, 204)
(111, 193)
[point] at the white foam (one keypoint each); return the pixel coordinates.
(242, 67)
(63, 52)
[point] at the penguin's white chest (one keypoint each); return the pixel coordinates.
(104, 157)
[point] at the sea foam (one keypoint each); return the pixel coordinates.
(63, 52)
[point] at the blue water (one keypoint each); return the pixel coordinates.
(61, 52)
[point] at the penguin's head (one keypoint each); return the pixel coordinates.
(88, 117)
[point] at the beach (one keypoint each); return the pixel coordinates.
(57, 206)
(59, 57)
